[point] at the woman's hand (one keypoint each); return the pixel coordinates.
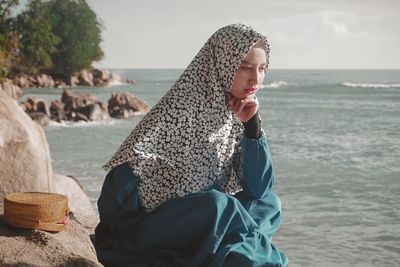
(243, 108)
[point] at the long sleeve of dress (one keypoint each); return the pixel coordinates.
(258, 173)
(257, 197)
(118, 201)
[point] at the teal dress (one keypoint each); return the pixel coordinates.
(208, 228)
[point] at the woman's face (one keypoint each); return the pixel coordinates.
(250, 74)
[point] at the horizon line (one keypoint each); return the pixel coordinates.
(297, 69)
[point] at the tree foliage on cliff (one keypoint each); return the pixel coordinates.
(37, 39)
(79, 30)
(58, 37)
(8, 37)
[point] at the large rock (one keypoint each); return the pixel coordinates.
(37, 109)
(25, 162)
(85, 78)
(123, 105)
(78, 201)
(11, 90)
(79, 107)
(25, 166)
(73, 81)
(22, 247)
(57, 111)
(94, 112)
(35, 104)
(22, 81)
(101, 77)
(40, 118)
(45, 81)
(73, 101)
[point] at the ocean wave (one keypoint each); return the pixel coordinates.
(115, 83)
(372, 85)
(277, 84)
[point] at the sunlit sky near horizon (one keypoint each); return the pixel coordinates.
(303, 34)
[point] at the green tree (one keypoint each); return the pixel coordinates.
(8, 37)
(79, 31)
(37, 40)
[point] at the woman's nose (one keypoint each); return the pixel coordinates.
(254, 77)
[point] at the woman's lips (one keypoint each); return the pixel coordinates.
(250, 91)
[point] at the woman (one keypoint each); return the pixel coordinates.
(192, 184)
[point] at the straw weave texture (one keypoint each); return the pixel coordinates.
(36, 210)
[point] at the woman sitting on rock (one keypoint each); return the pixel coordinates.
(192, 184)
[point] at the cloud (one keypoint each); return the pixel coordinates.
(334, 20)
(302, 34)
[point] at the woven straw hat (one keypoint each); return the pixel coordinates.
(36, 210)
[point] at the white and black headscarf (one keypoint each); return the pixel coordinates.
(191, 139)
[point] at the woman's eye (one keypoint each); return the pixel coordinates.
(245, 67)
(263, 69)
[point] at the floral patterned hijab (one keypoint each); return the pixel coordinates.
(190, 140)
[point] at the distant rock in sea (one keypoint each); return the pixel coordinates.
(124, 105)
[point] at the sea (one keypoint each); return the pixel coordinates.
(334, 136)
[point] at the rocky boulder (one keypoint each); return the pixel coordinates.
(23, 81)
(23, 247)
(11, 90)
(78, 201)
(93, 112)
(25, 163)
(100, 77)
(37, 109)
(44, 81)
(57, 111)
(40, 80)
(73, 81)
(77, 107)
(123, 105)
(73, 101)
(85, 78)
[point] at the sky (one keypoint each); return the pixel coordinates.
(303, 34)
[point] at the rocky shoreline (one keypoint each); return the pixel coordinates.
(83, 107)
(25, 166)
(93, 77)
(73, 106)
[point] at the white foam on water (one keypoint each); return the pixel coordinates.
(277, 84)
(115, 83)
(66, 124)
(372, 85)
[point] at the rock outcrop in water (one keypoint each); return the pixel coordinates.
(78, 107)
(123, 105)
(73, 106)
(25, 166)
(37, 109)
(83, 107)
